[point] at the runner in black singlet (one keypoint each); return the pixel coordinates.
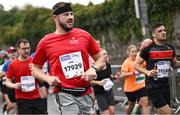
(160, 59)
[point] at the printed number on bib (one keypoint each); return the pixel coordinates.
(28, 83)
(72, 64)
(164, 69)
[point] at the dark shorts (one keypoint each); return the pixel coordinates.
(11, 94)
(159, 96)
(0, 84)
(3, 89)
(34, 106)
(136, 95)
(105, 100)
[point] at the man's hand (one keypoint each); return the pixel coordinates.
(89, 75)
(53, 81)
(152, 73)
(17, 85)
(37, 72)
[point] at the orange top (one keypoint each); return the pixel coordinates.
(134, 82)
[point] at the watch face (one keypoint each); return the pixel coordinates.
(94, 68)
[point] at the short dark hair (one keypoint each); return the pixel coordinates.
(61, 7)
(21, 41)
(156, 25)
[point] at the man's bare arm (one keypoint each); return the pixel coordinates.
(100, 63)
(176, 63)
(137, 65)
(10, 84)
(37, 72)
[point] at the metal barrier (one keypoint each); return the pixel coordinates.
(120, 97)
(178, 83)
(175, 94)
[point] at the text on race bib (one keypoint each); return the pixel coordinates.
(164, 69)
(27, 83)
(72, 64)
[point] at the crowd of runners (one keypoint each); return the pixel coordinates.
(72, 63)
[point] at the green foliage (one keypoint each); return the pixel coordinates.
(116, 16)
(159, 10)
(36, 23)
(30, 23)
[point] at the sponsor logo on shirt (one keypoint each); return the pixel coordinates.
(74, 40)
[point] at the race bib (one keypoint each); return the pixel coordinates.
(108, 84)
(72, 65)
(164, 69)
(140, 78)
(178, 70)
(27, 83)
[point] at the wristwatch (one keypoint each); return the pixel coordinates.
(94, 68)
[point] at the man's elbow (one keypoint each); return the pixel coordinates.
(176, 65)
(35, 69)
(7, 83)
(34, 72)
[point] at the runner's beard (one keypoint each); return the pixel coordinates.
(163, 40)
(26, 54)
(64, 26)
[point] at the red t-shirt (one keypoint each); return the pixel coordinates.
(20, 72)
(61, 52)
